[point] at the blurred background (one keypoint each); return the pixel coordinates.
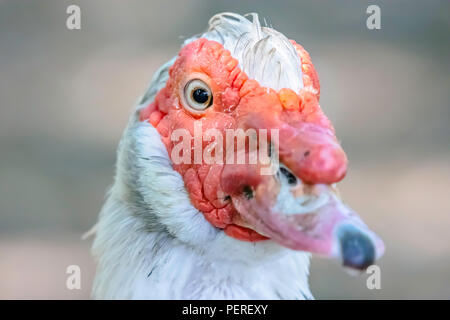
(65, 98)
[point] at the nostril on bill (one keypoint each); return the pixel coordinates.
(357, 249)
(248, 192)
(292, 180)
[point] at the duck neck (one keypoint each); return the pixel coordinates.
(135, 263)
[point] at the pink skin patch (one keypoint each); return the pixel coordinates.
(308, 147)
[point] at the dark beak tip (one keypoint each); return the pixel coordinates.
(357, 249)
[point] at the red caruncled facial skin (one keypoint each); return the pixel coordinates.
(308, 146)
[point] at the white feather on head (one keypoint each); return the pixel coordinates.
(264, 54)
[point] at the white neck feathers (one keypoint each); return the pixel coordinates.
(151, 243)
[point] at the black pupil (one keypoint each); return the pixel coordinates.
(200, 95)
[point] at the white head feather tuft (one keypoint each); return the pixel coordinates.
(264, 54)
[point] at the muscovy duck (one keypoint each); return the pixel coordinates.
(196, 229)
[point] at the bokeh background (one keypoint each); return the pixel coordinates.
(65, 97)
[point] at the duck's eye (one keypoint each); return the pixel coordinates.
(198, 95)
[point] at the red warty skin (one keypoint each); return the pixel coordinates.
(307, 141)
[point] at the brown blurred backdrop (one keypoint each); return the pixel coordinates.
(66, 96)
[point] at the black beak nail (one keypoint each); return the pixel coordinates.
(357, 249)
